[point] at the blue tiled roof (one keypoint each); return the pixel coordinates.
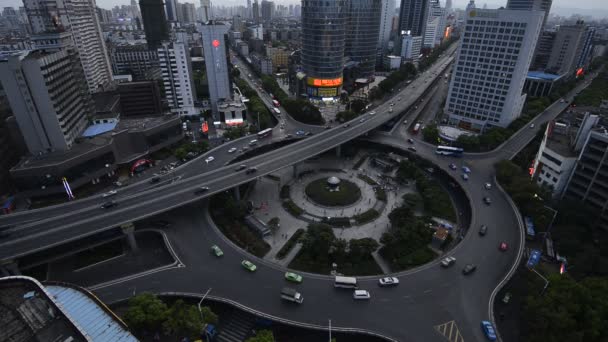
(92, 319)
(539, 75)
(98, 129)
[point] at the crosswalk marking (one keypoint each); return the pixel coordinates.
(450, 331)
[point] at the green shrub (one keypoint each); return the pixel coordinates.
(366, 216)
(290, 243)
(292, 208)
(284, 192)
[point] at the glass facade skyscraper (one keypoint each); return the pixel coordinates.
(323, 41)
(362, 29)
(155, 22)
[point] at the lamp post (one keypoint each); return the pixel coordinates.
(199, 303)
(330, 330)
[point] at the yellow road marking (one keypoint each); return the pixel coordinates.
(450, 331)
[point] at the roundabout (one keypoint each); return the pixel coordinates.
(332, 192)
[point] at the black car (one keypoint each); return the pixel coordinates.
(201, 190)
(109, 204)
(410, 140)
(487, 200)
(240, 168)
(154, 180)
(483, 230)
(468, 269)
(251, 170)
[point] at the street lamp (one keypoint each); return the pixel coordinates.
(199, 303)
(330, 330)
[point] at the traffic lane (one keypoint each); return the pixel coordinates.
(307, 151)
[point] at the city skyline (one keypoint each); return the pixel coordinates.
(581, 4)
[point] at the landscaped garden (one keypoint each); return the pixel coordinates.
(346, 193)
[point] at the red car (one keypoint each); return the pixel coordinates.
(503, 246)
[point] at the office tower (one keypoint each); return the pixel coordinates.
(50, 19)
(206, 10)
(215, 52)
(413, 16)
(175, 66)
(171, 8)
(256, 12)
(543, 50)
(323, 40)
(486, 85)
(48, 96)
(140, 99)
(188, 13)
(297, 11)
(362, 29)
(435, 24)
(588, 182)
(387, 12)
(249, 9)
(531, 5)
(133, 59)
(410, 47)
(267, 10)
(568, 48)
(155, 22)
(448, 5)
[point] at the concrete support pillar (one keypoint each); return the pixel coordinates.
(338, 151)
(295, 170)
(9, 268)
(128, 229)
(237, 193)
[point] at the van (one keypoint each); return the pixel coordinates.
(292, 295)
(361, 294)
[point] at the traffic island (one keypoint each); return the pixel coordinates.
(333, 192)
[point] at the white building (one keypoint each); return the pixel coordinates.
(392, 62)
(48, 96)
(174, 61)
(435, 25)
(387, 12)
(257, 32)
(79, 18)
(491, 65)
(410, 47)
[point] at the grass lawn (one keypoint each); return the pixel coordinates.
(318, 192)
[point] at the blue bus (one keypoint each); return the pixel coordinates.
(449, 151)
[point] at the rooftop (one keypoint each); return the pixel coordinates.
(97, 129)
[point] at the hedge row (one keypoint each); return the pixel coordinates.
(292, 208)
(366, 216)
(290, 243)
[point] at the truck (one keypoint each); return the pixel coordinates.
(292, 295)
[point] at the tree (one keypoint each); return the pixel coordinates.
(412, 199)
(357, 105)
(145, 311)
(262, 336)
(273, 224)
(235, 132)
(431, 134)
(319, 238)
(183, 320)
(362, 248)
(407, 171)
(346, 115)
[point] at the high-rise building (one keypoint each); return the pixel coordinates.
(216, 56)
(256, 12)
(133, 59)
(410, 47)
(48, 96)
(267, 10)
(567, 49)
(171, 8)
(448, 5)
(206, 10)
(543, 50)
(79, 18)
(491, 67)
(188, 13)
(413, 16)
(435, 24)
(531, 5)
(323, 40)
(387, 12)
(175, 66)
(249, 9)
(362, 29)
(155, 22)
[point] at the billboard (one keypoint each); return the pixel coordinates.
(322, 82)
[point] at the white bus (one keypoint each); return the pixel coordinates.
(346, 282)
(449, 151)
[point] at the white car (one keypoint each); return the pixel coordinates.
(372, 113)
(488, 186)
(232, 150)
(109, 193)
(448, 261)
(361, 294)
(388, 281)
(209, 160)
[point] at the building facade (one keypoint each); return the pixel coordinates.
(362, 30)
(215, 50)
(155, 22)
(491, 67)
(171, 8)
(413, 17)
(435, 25)
(323, 42)
(531, 5)
(206, 11)
(133, 59)
(48, 95)
(410, 47)
(139, 99)
(567, 49)
(387, 12)
(175, 66)
(267, 10)
(78, 18)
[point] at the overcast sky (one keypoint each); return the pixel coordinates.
(582, 4)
